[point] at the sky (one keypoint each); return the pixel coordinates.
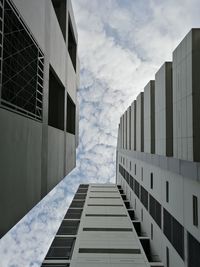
(122, 44)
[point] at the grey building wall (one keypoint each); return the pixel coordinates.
(140, 122)
(149, 117)
(186, 98)
(133, 125)
(164, 110)
(35, 156)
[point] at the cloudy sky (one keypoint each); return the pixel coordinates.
(122, 43)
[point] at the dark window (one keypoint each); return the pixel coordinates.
(151, 231)
(167, 257)
(106, 197)
(77, 204)
(131, 182)
(137, 189)
(71, 115)
(61, 248)
(131, 214)
(56, 101)
(193, 251)
(110, 250)
(151, 180)
(144, 197)
(155, 210)
(142, 215)
(105, 205)
(73, 214)
(174, 231)
(80, 196)
(83, 185)
(55, 265)
(195, 210)
(106, 215)
(80, 190)
(72, 47)
(142, 174)
(68, 227)
(22, 66)
(167, 191)
(61, 11)
(108, 229)
(130, 165)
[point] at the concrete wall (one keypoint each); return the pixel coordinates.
(149, 117)
(33, 154)
(133, 125)
(140, 123)
(186, 97)
(164, 111)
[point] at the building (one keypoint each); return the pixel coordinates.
(99, 230)
(159, 171)
(38, 105)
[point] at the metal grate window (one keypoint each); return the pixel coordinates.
(21, 66)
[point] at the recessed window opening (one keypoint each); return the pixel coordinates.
(71, 116)
(56, 101)
(195, 210)
(72, 46)
(151, 180)
(60, 10)
(167, 191)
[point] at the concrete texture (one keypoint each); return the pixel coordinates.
(140, 122)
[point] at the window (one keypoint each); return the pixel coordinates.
(193, 251)
(110, 250)
(22, 66)
(142, 174)
(135, 203)
(60, 10)
(155, 210)
(68, 227)
(106, 215)
(195, 210)
(82, 190)
(71, 115)
(105, 205)
(144, 197)
(73, 214)
(135, 169)
(131, 214)
(77, 204)
(55, 265)
(151, 231)
(72, 47)
(80, 196)
(130, 165)
(108, 229)
(167, 191)
(142, 215)
(167, 257)
(61, 248)
(151, 180)
(56, 101)
(83, 185)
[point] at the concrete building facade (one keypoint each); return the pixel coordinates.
(99, 230)
(163, 187)
(38, 103)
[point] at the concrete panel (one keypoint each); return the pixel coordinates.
(70, 153)
(133, 125)
(55, 157)
(149, 117)
(20, 165)
(140, 123)
(164, 111)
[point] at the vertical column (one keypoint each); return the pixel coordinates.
(140, 123)
(186, 97)
(164, 111)
(149, 117)
(133, 125)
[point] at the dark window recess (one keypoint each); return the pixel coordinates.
(127, 204)
(108, 229)
(151, 231)
(174, 231)
(131, 182)
(167, 191)
(83, 185)
(195, 210)
(144, 197)
(61, 11)
(137, 189)
(146, 246)
(193, 251)
(22, 66)
(55, 265)
(110, 250)
(131, 214)
(77, 204)
(105, 205)
(80, 196)
(151, 180)
(119, 186)
(106, 215)
(71, 116)
(68, 228)
(105, 197)
(155, 210)
(123, 197)
(56, 101)
(61, 248)
(73, 214)
(82, 190)
(167, 257)
(72, 47)
(141, 215)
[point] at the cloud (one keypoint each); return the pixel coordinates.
(121, 46)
